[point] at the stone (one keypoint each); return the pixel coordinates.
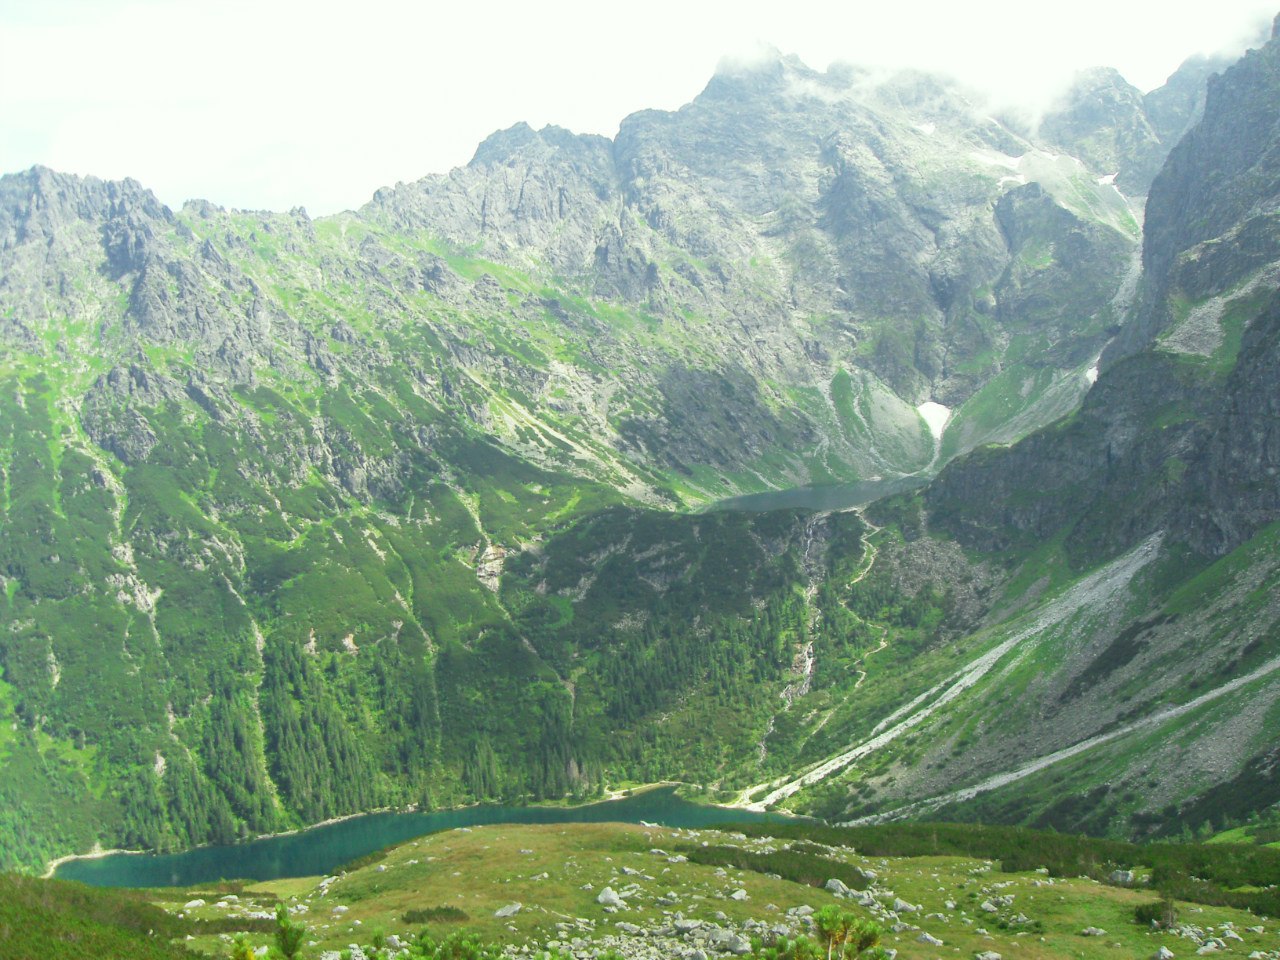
(193, 904)
(988, 907)
(1123, 877)
(902, 906)
(986, 955)
(1164, 953)
(837, 887)
(737, 944)
(929, 939)
(510, 910)
(609, 898)
(739, 895)
(1093, 932)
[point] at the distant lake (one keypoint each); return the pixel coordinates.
(835, 496)
(320, 850)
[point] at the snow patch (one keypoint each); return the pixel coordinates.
(1092, 373)
(1107, 181)
(928, 129)
(935, 415)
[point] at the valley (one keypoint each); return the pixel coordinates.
(834, 445)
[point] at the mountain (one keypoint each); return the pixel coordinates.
(301, 518)
(1121, 675)
(1111, 125)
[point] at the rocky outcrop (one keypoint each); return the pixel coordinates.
(1104, 122)
(1178, 432)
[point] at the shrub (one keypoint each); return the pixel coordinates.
(1162, 913)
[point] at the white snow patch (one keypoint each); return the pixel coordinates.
(1019, 179)
(935, 415)
(1092, 373)
(928, 129)
(1108, 180)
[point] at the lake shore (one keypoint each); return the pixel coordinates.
(610, 796)
(97, 853)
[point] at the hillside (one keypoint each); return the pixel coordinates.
(1119, 675)
(648, 891)
(303, 518)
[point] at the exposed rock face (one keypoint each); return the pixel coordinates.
(1177, 434)
(1104, 122)
(1158, 497)
(778, 197)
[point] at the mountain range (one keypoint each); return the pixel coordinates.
(433, 501)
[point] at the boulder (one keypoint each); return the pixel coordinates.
(929, 939)
(609, 898)
(510, 910)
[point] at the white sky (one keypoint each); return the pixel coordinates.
(278, 103)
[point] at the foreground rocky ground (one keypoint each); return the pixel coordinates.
(586, 889)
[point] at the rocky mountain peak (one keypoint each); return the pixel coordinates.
(521, 141)
(1225, 169)
(1102, 119)
(39, 202)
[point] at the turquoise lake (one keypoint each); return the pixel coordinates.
(320, 850)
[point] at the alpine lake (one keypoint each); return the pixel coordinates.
(323, 849)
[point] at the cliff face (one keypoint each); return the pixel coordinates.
(1176, 435)
(1124, 672)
